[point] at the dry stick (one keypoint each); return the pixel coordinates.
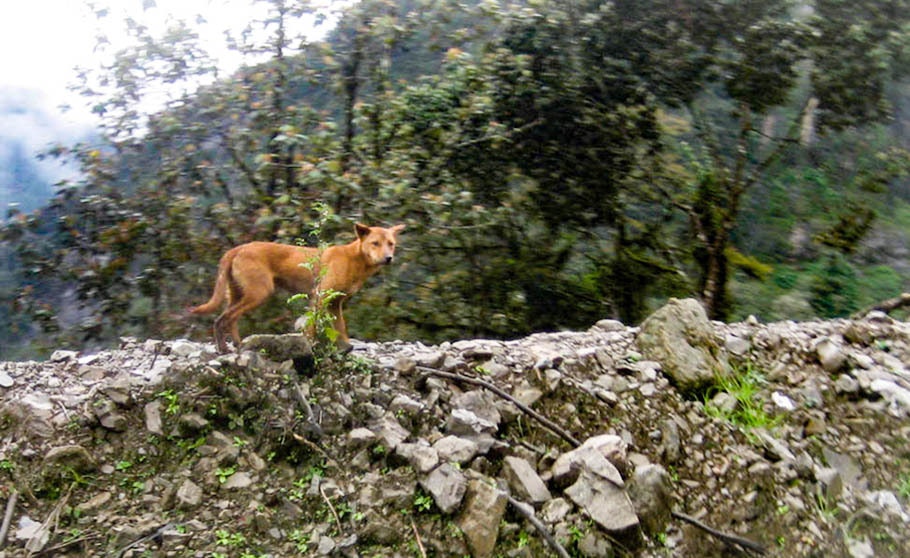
(66, 544)
(527, 511)
(744, 543)
(886, 306)
(332, 508)
(550, 425)
(8, 516)
(423, 552)
(53, 519)
(153, 535)
(727, 538)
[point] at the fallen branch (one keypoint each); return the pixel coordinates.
(423, 552)
(151, 536)
(53, 550)
(8, 516)
(549, 424)
(43, 534)
(727, 538)
(331, 508)
(308, 410)
(886, 306)
(528, 512)
(553, 427)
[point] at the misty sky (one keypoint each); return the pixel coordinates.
(42, 41)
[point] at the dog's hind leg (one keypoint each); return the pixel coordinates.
(245, 295)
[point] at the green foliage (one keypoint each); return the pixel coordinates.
(555, 164)
(744, 387)
(903, 487)
(834, 288)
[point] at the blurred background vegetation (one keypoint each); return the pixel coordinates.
(555, 161)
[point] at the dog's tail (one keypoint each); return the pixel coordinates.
(221, 284)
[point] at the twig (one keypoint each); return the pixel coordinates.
(742, 542)
(50, 524)
(8, 516)
(66, 544)
(307, 408)
(331, 507)
(886, 306)
(153, 535)
(550, 425)
(727, 538)
(527, 511)
(423, 552)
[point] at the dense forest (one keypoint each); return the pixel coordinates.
(555, 161)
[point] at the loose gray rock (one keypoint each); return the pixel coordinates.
(446, 485)
(453, 449)
(651, 493)
(191, 424)
(238, 480)
(831, 485)
(484, 507)
(603, 501)
(189, 495)
(422, 457)
(555, 510)
(524, 481)
(73, 457)
(389, 431)
(830, 355)
(604, 455)
(153, 423)
(279, 348)
(480, 403)
(592, 545)
(681, 338)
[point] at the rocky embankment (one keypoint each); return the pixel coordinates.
(786, 438)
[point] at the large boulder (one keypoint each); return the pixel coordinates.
(681, 338)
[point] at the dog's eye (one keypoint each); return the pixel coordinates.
(375, 243)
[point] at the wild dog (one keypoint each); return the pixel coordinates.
(250, 273)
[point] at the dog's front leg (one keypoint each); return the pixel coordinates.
(336, 308)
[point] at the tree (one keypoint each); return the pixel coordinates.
(753, 60)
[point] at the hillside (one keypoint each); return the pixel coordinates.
(163, 448)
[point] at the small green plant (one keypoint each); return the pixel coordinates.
(300, 540)
(359, 365)
(224, 537)
(317, 318)
(7, 465)
(423, 502)
(239, 442)
(903, 487)
(225, 473)
(303, 483)
(123, 465)
(523, 539)
(172, 401)
(744, 387)
(576, 533)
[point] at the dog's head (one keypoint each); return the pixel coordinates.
(378, 243)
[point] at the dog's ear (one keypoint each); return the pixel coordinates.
(397, 229)
(361, 230)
